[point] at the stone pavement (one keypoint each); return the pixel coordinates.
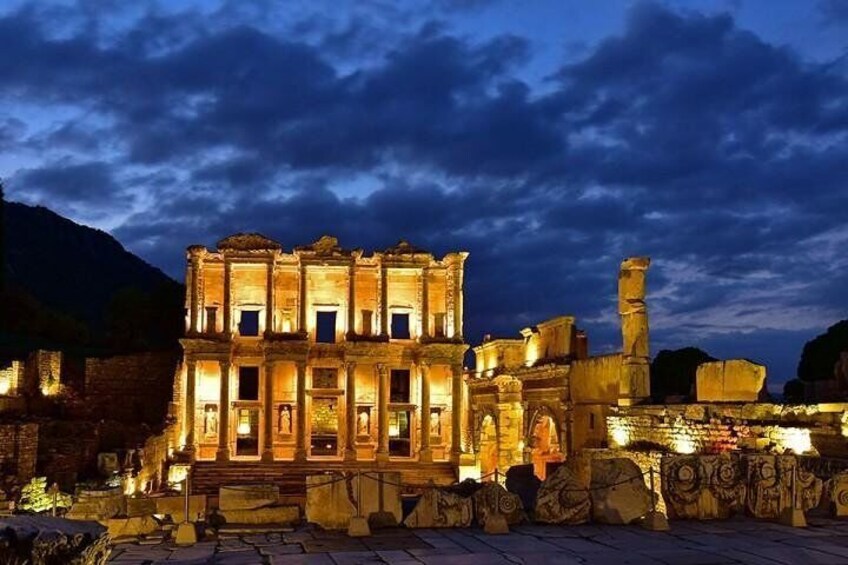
(825, 541)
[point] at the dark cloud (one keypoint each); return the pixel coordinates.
(683, 137)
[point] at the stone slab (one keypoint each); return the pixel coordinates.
(247, 497)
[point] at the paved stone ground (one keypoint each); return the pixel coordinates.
(825, 541)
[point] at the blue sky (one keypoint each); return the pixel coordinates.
(550, 139)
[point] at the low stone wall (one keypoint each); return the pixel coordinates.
(716, 428)
(19, 450)
(137, 387)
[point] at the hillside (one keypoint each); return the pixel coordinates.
(69, 285)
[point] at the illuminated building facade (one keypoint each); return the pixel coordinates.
(321, 353)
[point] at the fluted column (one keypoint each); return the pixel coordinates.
(191, 277)
(351, 300)
(191, 385)
(456, 412)
(300, 442)
(301, 318)
(425, 303)
(269, 300)
(425, 455)
(223, 453)
(350, 402)
(384, 302)
(268, 427)
(383, 413)
(228, 298)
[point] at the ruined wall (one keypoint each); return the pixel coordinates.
(133, 387)
(733, 380)
(11, 377)
(596, 379)
(715, 428)
(19, 450)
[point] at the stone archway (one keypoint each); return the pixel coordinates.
(544, 442)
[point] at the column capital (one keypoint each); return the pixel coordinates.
(381, 368)
(349, 366)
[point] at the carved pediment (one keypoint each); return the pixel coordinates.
(325, 246)
(403, 247)
(248, 242)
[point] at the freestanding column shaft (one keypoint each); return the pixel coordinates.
(634, 385)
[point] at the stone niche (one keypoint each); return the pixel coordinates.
(734, 380)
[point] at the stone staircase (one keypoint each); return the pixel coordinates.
(208, 476)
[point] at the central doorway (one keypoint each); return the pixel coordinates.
(325, 426)
(247, 432)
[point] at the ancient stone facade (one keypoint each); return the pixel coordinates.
(321, 353)
(538, 398)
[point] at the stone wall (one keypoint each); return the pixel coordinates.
(18, 450)
(134, 387)
(715, 428)
(11, 377)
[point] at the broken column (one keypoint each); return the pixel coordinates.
(635, 384)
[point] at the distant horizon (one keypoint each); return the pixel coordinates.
(774, 386)
(550, 141)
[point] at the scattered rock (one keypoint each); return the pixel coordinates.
(246, 497)
(618, 491)
(521, 481)
(43, 540)
(329, 501)
(562, 499)
(135, 526)
(98, 504)
(492, 500)
(440, 509)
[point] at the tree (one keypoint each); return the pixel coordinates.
(821, 353)
(673, 372)
(793, 391)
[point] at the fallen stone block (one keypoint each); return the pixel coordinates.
(440, 509)
(174, 506)
(618, 491)
(135, 526)
(245, 497)
(287, 514)
(562, 499)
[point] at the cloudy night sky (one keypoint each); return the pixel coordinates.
(548, 138)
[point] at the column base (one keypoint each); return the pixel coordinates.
(425, 456)
(222, 455)
(350, 455)
(267, 456)
(300, 456)
(190, 453)
(382, 457)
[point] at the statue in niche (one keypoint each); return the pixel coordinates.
(284, 419)
(210, 420)
(435, 423)
(363, 423)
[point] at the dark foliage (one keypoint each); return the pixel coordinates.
(673, 372)
(821, 353)
(793, 391)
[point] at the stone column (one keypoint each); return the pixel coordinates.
(191, 384)
(301, 318)
(425, 303)
(350, 401)
(191, 283)
(382, 412)
(300, 441)
(228, 298)
(635, 384)
(268, 405)
(351, 300)
(269, 300)
(456, 412)
(458, 297)
(384, 302)
(425, 455)
(223, 453)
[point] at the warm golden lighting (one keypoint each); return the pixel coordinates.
(5, 385)
(243, 428)
(619, 433)
(684, 444)
(394, 430)
(796, 440)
